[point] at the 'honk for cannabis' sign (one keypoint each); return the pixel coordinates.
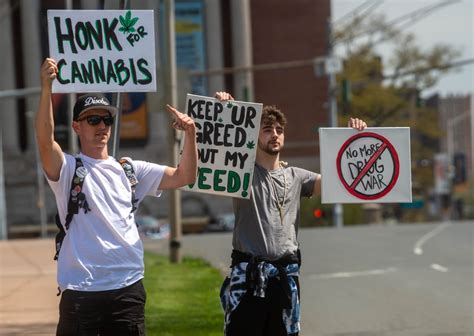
(227, 137)
(103, 50)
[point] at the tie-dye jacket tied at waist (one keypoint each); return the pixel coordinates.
(253, 276)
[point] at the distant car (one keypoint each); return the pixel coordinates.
(223, 222)
(152, 227)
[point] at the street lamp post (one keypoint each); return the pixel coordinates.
(3, 208)
(172, 98)
(332, 66)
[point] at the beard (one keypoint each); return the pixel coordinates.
(269, 149)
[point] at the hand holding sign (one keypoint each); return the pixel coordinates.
(48, 71)
(357, 124)
(221, 95)
(181, 122)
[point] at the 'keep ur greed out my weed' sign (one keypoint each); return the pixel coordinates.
(103, 50)
(369, 166)
(227, 137)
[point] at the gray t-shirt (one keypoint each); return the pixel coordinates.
(259, 228)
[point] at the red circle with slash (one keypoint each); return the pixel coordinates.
(383, 147)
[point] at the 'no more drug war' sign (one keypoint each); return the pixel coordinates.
(227, 137)
(103, 50)
(373, 165)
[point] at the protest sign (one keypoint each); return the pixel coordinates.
(369, 166)
(103, 50)
(227, 137)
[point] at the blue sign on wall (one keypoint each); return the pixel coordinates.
(190, 40)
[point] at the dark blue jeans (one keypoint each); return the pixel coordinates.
(113, 312)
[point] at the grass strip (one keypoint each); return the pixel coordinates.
(182, 299)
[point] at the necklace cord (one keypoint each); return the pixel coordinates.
(275, 192)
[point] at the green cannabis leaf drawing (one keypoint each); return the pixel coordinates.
(127, 23)
(250, 145)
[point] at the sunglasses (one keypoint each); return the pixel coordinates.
(94, 120)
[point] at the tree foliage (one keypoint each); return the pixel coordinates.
(396, 99)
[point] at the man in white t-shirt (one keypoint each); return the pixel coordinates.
(100, 264)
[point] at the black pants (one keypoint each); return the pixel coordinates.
(255, 316)
(113, 312)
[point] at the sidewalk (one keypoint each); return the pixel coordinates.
(28, 301)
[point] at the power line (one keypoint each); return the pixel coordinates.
(309, 62)
(410, 18)
(421, 12)
(20, 92)
(420, 70)
(263, 67)
(255, 67)
(358, 11)
(415, 17)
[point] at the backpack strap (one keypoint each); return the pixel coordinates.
(77, 200)
(59, 236)
(127, 166)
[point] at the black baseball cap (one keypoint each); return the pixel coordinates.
(92, 101)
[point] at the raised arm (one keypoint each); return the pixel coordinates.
(50, 152)
(186, 171)
(317, 186)
(355, 123)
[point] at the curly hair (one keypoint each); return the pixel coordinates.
(270, 115)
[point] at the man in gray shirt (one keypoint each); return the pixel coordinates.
(261, 294)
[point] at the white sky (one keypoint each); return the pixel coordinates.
(452, 24)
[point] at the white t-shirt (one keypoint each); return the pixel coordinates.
(102, 249)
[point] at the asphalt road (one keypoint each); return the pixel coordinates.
(397, 280)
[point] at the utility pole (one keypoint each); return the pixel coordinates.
(472, 131)
(71, 99)
(332, 98)
(173, 143)
(118, 105)
(242, 49)
(3, 207)
(41, 193)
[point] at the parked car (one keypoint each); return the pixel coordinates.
(223, 222)
(152, 227)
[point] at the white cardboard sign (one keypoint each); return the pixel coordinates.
(103, 50)
(227, 138)
(367, 166)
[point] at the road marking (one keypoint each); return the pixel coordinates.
(352, 274)
(418, 249)
(439, 268)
